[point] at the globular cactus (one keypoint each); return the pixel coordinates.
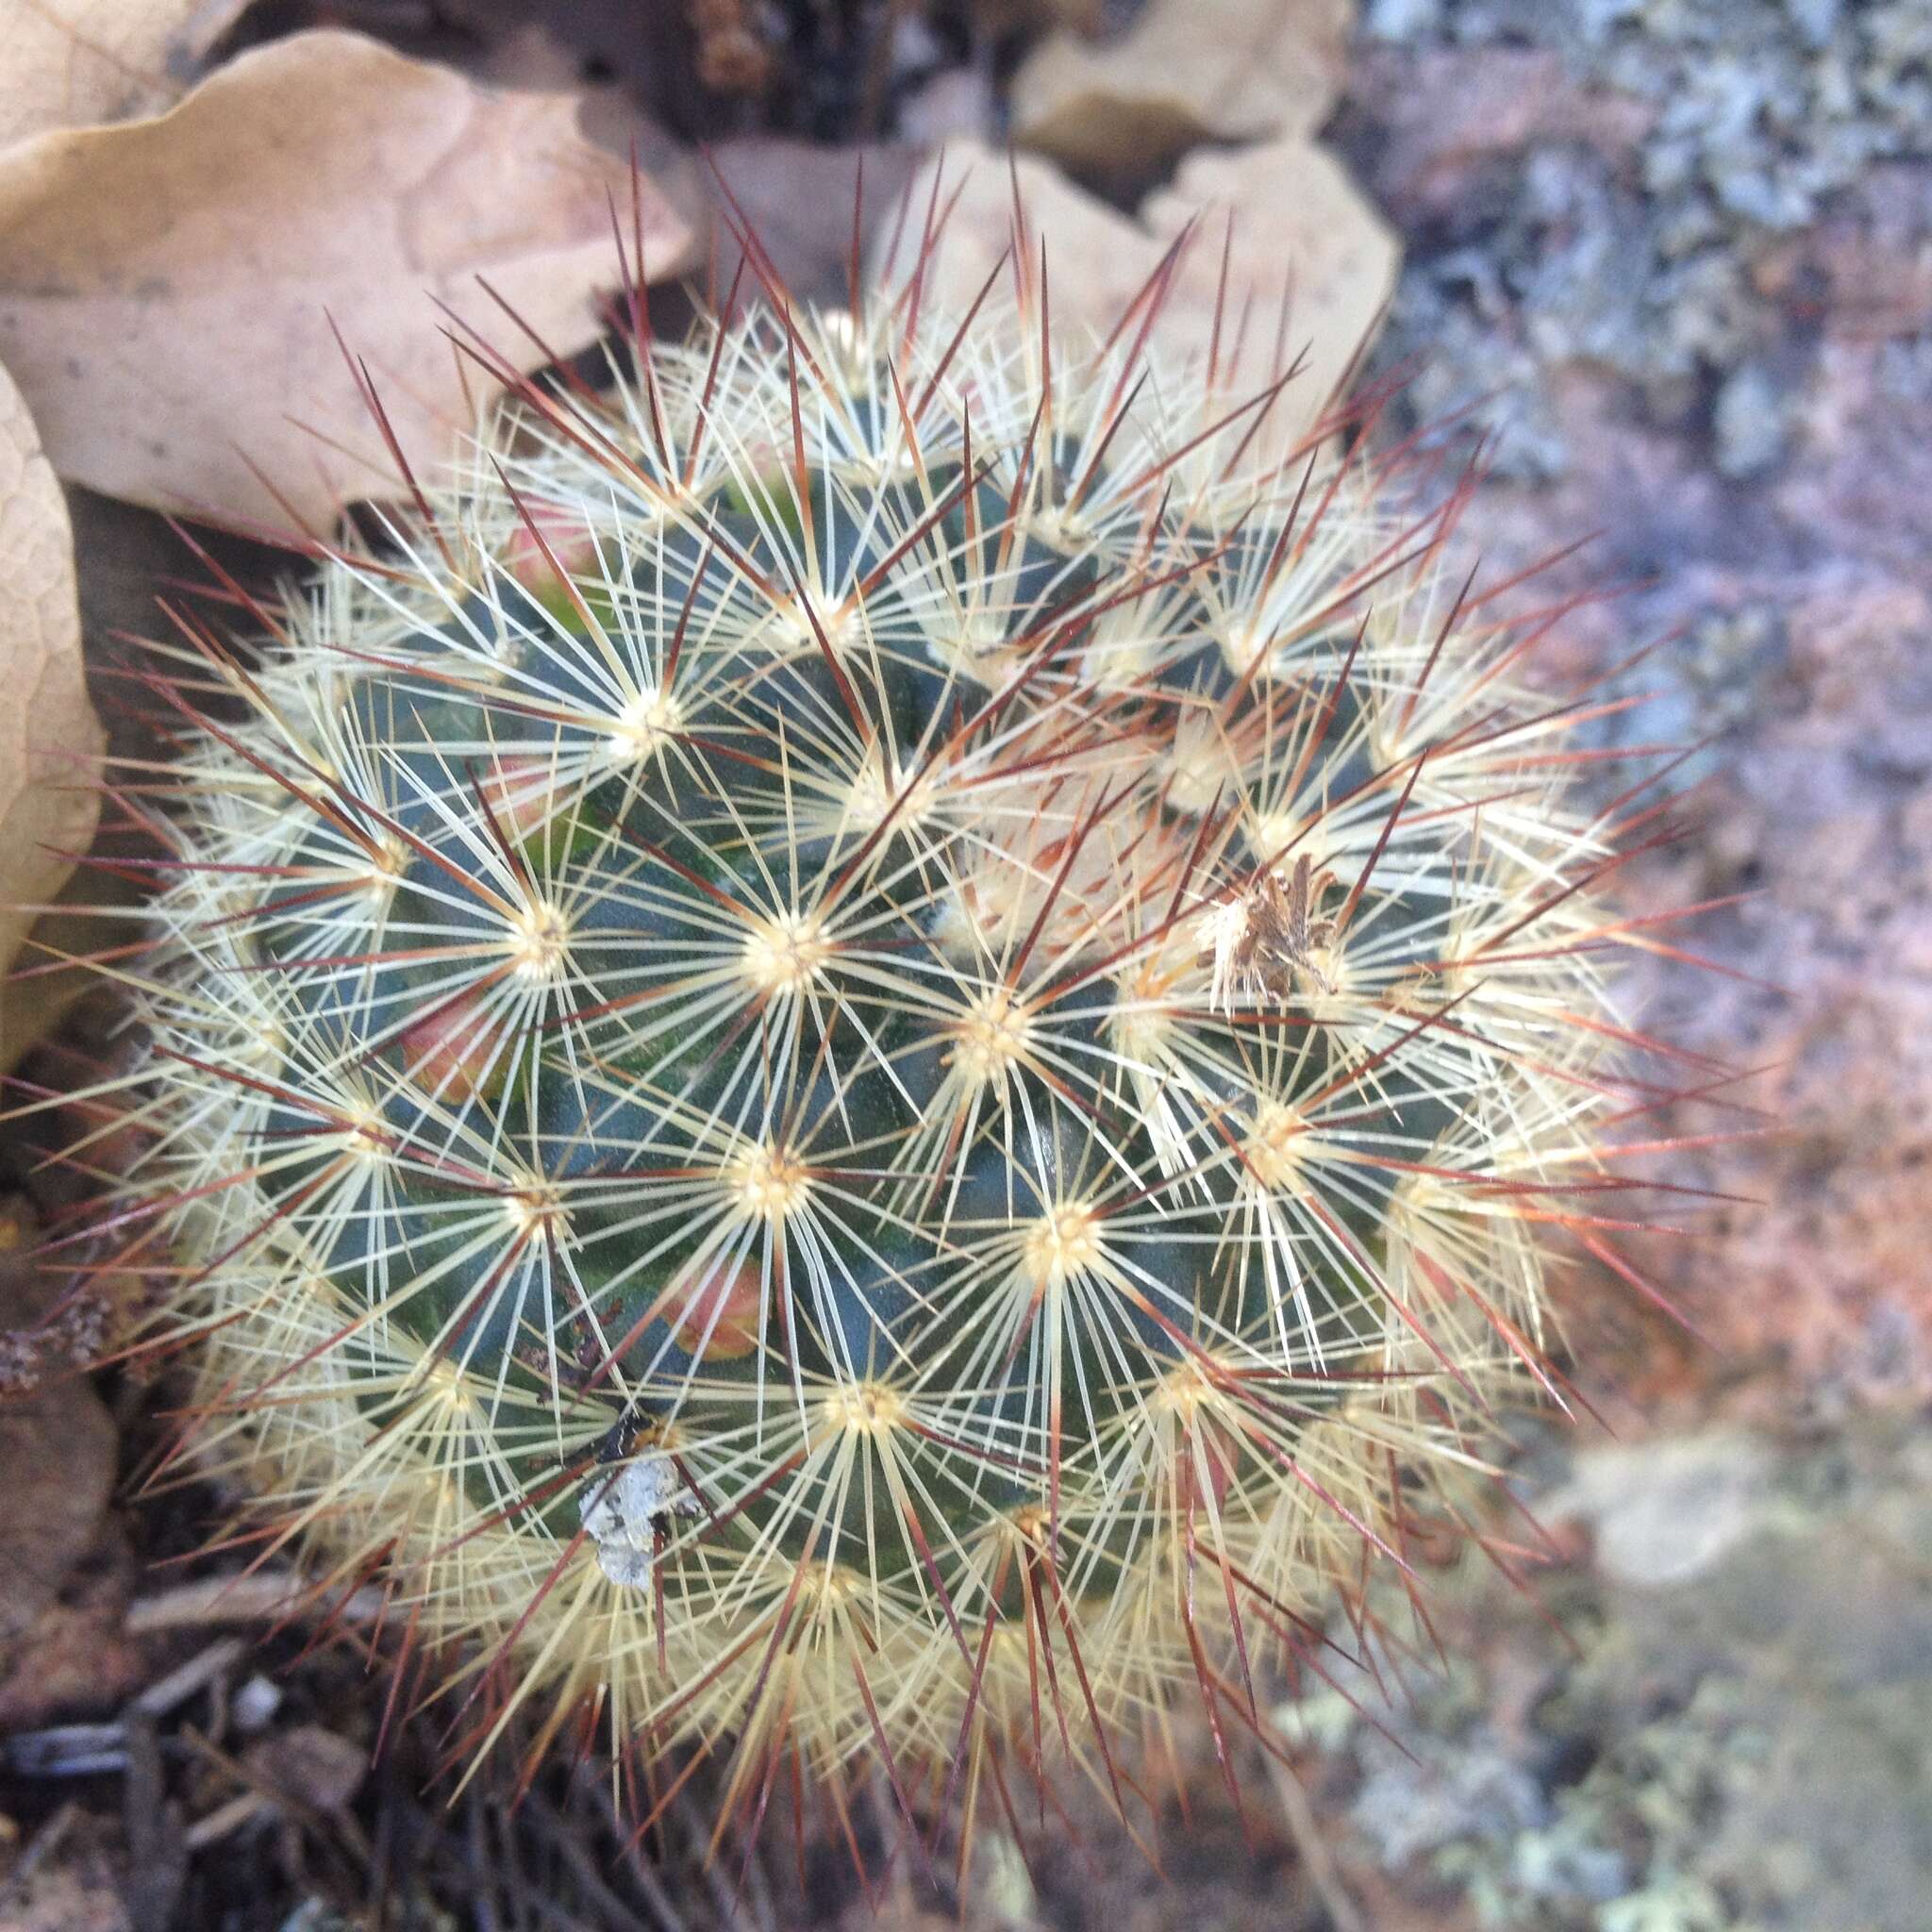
(866, 1055)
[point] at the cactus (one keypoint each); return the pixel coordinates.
(867, 1056)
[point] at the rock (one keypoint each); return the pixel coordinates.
(1443, 115)
(1748, 420)
(58, 1450)
(1667, 1511)
(1185, 72)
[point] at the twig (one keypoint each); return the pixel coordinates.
(87, 1750)
(43, 1842)
(1323, 1871)
(181, 1683)
(227, 1818)
(258, 1597)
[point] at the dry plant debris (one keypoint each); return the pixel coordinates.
(71, 63)
(168, 286)
(49, 738)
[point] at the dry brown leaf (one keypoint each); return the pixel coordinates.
(1303, 232)
(1186, 71)
(50, 741)
(166, 286)
(70, 63)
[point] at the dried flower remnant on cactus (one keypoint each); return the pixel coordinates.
(868, 1057)
(1265, 935)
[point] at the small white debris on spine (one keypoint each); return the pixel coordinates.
(623, 1513)
(1224, 930)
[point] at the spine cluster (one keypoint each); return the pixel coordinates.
(867, 1056)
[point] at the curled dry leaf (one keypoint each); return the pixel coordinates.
(70, 63)
(1187, 71)
(50, 741)
(1302, 235)
(167, 286)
